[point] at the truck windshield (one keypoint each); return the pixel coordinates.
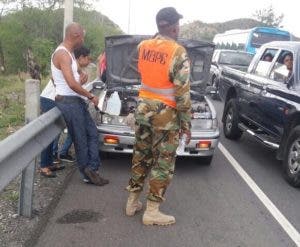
(259, 38)
(235, 58)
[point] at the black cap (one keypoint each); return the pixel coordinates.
(167, 16)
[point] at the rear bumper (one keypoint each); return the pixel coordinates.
(126, 140)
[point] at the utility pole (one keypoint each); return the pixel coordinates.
(129, 13)
(68, 14)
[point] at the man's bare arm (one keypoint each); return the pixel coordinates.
(63, 62)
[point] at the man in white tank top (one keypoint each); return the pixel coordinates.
(69, 93)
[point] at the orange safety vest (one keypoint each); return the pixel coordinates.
(155, 57)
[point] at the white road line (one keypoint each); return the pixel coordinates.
(285, 224)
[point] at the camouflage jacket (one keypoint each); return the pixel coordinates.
(160, 116)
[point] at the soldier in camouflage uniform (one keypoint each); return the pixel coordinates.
(159, 126)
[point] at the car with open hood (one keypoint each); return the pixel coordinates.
(121, 91)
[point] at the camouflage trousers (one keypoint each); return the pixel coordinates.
(155, 153)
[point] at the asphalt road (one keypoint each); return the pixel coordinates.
(213, 205)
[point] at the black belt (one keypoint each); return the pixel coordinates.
(69, 99)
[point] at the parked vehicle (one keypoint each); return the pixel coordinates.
(249, 40)
(265, 102)
(122, 78)
(236, 59)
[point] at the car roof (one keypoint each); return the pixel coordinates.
(233, 51)
(291, 45)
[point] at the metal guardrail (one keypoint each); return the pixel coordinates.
(19, 149)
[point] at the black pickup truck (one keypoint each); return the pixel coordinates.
(265, 103)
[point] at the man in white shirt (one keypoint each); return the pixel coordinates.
(69, 99)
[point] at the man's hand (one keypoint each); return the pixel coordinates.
(83, 78)
(95, 100)
(188, 135)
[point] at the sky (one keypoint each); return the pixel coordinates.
(138, 16)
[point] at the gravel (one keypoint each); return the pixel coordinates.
(18, 231)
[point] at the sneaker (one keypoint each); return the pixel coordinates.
(87, 181)
(56, 160)
(67, 158)
(56, 167)
(95, 177)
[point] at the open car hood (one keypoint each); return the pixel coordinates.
(121, 56)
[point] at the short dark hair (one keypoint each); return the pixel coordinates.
(82, 51)
(268, 54)
(288, 54)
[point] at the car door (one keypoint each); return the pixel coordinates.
(276, 98)
(253, 86)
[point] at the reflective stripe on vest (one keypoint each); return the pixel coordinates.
(155, 57)
(168, 93)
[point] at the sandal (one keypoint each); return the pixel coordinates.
(46, 172)
(56, 167)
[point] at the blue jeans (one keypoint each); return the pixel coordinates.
(82, 129)
(65, 147)
(46, 155)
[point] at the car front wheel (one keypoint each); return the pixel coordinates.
(291, 162)
(230, 126)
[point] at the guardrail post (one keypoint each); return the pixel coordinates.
(32, 111)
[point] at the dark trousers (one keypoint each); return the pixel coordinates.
(82, 129)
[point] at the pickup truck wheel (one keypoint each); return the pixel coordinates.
(291, 162)
(230, 126)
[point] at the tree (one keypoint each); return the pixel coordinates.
(41, 31)
(267, 17)
(7, 6)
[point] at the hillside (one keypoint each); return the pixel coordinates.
(41, 31)
(206, 31)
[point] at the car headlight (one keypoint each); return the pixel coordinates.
(114, 120)
(106, 119)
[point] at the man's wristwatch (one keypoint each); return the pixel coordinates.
(91, 97)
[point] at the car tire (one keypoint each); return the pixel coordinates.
(291, 161)
(230, 125)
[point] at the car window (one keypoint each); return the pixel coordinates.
(264, 64)
(269, 55)
(282, 70)
(235, 58)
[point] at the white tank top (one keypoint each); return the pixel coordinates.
(49, 91)
(61, 86)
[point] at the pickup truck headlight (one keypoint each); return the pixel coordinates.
(113, 120)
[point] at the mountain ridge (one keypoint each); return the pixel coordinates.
(206, 31)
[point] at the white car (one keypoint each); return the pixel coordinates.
(123, 79)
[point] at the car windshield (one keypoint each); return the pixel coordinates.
(235, 58)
